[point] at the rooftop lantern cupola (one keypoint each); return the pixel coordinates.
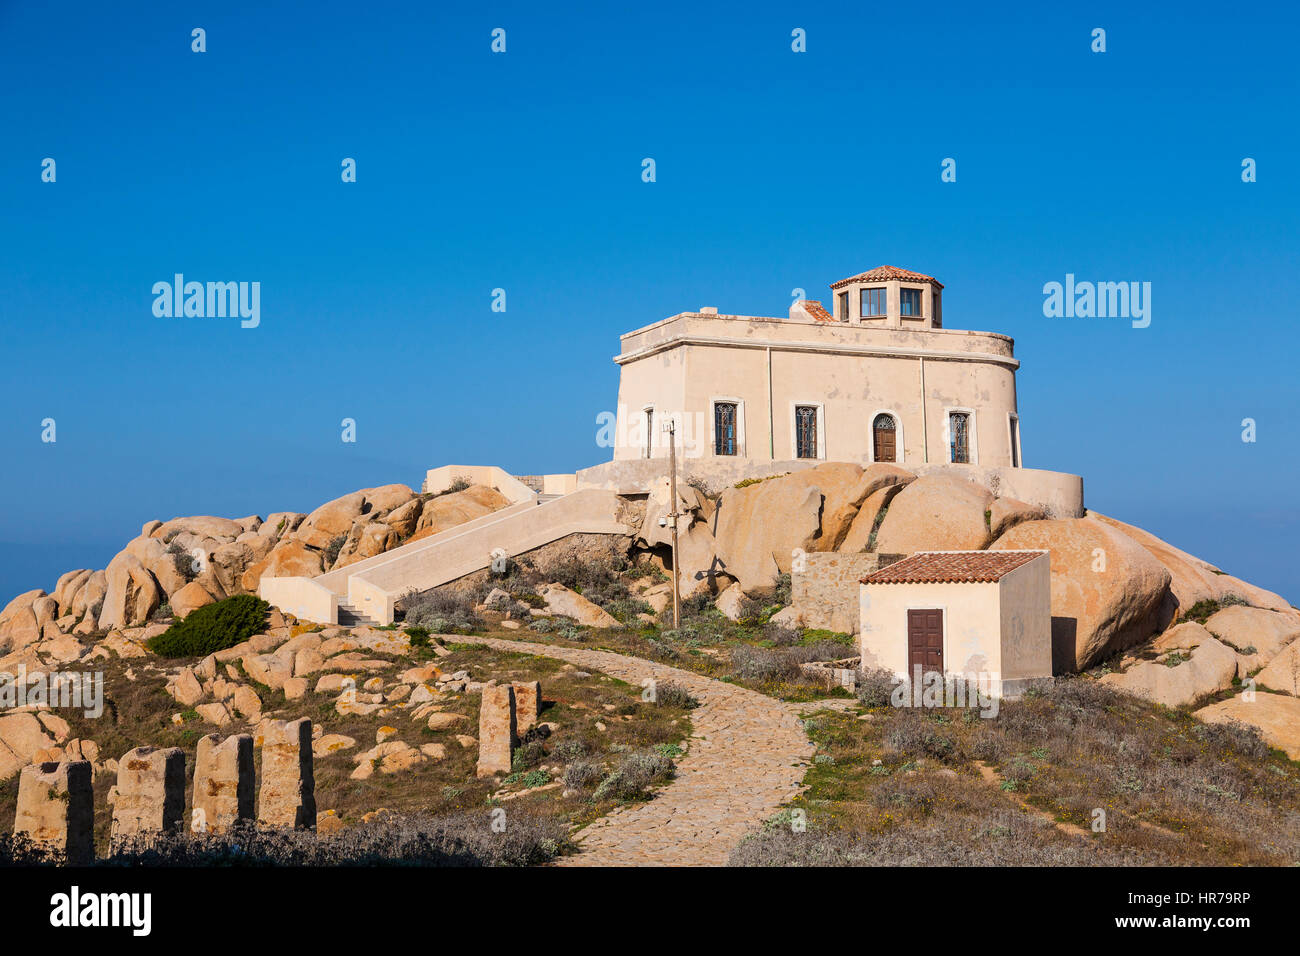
(889, 297)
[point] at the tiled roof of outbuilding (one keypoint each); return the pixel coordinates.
(952, 567)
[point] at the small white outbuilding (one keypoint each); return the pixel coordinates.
(981, 615)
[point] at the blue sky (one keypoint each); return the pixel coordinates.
(775, 170)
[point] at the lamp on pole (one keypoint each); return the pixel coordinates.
(670, 426)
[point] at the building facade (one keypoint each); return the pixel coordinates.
(876, 379)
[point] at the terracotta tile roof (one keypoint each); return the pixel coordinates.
(814, 308)
(881, 273)
(952, 567)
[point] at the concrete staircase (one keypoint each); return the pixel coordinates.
(368, 590)
(349, 616)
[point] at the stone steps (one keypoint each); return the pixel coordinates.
(349, 616)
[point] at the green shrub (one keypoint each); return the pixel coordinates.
(1201, 611)
(418, 636)
(527, 756)
(213, 628)
(182, 561)
(781, 595)
(333, 548)
(627, 609)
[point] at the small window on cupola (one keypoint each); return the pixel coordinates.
(909, 302)
(874, 305)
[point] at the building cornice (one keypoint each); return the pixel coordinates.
(883, 351)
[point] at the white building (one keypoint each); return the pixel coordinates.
(983, 615)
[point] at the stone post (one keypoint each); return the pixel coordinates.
(497, 730)
(528, 704)
(223, 782)
(56, 809)
(150, 793)
(288, 797)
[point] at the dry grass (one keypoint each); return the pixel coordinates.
(138, 713)
(903, 786)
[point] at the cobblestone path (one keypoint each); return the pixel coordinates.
(747, 756)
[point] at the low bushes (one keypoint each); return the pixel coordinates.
(565, 628)
(669, 694)
(441, 612)
(459, 839)
(213, 628)
(634, 775)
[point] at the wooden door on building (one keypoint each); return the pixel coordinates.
(883, 432)
(924, 640)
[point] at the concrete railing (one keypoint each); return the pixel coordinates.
(437, 480)
(337, 580)
(304, 598)
(374, 586)
(551, 484)
(374, 589)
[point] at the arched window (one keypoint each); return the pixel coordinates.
(649, 432)
(884, 443)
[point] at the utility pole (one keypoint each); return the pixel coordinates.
(670, 426)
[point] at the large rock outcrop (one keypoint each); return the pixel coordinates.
(289, 559)
(1195, 664)
(1256, 633)
(1275, 716)
(1283, 672)
(132, 593)
(757, 528)
(1107, 590)
(937, 513)
(1193, 580)
(22, 736)
(448, 511)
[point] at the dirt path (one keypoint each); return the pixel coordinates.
(747, 756)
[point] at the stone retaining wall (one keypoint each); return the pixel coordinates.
(825, 587)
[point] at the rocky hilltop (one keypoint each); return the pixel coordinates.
(1137, 612)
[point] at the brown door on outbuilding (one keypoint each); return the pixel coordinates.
(924, 640)
(883, 432)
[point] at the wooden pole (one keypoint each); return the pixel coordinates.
(672, 514)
